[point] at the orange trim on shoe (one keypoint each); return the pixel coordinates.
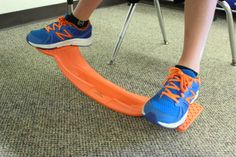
(61, 22)
(61, 35)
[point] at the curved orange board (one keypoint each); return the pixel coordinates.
(84, 77)
(78, 71)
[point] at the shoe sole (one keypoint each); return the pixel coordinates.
(178, 123)
(76, 42)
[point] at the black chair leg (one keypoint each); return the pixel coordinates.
(69, 6)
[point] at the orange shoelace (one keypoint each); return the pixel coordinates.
(60, 22)
(176, 75)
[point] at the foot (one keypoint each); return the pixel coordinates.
(60, 33)
(169, 107)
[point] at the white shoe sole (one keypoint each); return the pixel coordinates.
(77, 42)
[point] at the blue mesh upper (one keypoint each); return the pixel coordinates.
(41, 36)
(167, 110)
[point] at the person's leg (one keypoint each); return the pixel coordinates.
(198, 19)
(85, 8)
(82, 12)
(74, 29)
(169, 107)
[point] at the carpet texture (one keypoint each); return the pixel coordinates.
(43, 115)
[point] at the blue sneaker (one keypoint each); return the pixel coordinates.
(60, 33)
(169, 107)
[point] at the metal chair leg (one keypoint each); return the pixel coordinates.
(161, 21)
(230, 21)
(69, 6)
(123, 31)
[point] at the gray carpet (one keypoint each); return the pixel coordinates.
(43, 115)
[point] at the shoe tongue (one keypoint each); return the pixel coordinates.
(189, 72)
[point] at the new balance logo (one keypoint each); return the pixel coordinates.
(64, 35)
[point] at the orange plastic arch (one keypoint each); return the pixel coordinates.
(84, 77)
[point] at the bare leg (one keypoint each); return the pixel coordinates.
(85, 8)
(198, 19)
